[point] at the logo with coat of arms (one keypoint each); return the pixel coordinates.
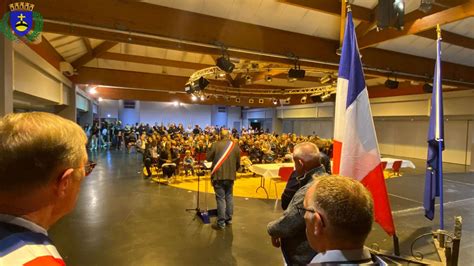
(21, 22)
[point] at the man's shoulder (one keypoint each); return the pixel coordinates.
(28, 247)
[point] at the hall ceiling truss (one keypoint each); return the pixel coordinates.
(87, 19)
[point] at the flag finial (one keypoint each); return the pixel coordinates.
(438, 30)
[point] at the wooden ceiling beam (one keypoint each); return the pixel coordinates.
(371, 60)
(46, 51)
(184, 26)
(205, 30)
(423, 24)
(152, 61)
(333, 8)
(449, 37)
(88, 45)
(97, 51)
(145, 95)
(140, 80)
(398, 62)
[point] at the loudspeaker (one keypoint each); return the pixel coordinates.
(296, 73)
(261, 101)
(427, 88)
(315, 98)
(251, 100)
(390, 13)
(391, 84)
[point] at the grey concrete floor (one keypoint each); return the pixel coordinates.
(121, 219)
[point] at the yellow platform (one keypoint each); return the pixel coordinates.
(245, 186)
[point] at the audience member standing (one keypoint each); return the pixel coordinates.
(225, 158)
(43, 161)
(288, 231)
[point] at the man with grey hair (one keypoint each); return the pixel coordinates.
(225, 157)
(338, 212)
(307, 159)
(43, 161)
(288, 231)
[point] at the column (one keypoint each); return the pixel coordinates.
(6, 76)
(471, 132)
(69, 110)
(277, 123)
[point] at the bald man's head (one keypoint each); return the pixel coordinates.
(306, 157)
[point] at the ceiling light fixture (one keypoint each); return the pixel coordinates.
(426, 5)
(197, 85)
(224, 62)
(296, 72)
(92, 90)
(325, 79)
(325, 96)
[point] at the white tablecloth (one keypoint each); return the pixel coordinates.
(269, 170)
(405, 163)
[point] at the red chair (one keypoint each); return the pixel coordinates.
(284, 174)
(384, 165)
(200, 157)
(396, 168)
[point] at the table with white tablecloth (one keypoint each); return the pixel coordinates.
(267, 170)
(405, 163)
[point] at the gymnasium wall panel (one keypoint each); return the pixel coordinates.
(164, 112)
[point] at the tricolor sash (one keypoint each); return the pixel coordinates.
(21, 247)
(224, 157)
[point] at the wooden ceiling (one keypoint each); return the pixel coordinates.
(145, 51)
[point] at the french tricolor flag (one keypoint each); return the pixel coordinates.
(356, 151)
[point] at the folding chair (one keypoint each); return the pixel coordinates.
(396, 168)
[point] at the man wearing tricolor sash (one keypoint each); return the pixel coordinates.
(225, 158)
(43, 161)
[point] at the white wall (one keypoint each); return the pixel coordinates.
(401, 124)
(109, 107)
(234, 114)
(187, 114)
(408, 138)
(34, 76)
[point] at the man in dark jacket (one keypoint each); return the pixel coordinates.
(288, 231)
(225, 158)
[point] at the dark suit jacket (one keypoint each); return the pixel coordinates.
(229, 168)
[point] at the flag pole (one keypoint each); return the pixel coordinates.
(440, 141)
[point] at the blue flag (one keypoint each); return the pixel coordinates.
(434, 171)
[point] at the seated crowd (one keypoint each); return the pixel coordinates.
(170, 146)
(326, 221)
